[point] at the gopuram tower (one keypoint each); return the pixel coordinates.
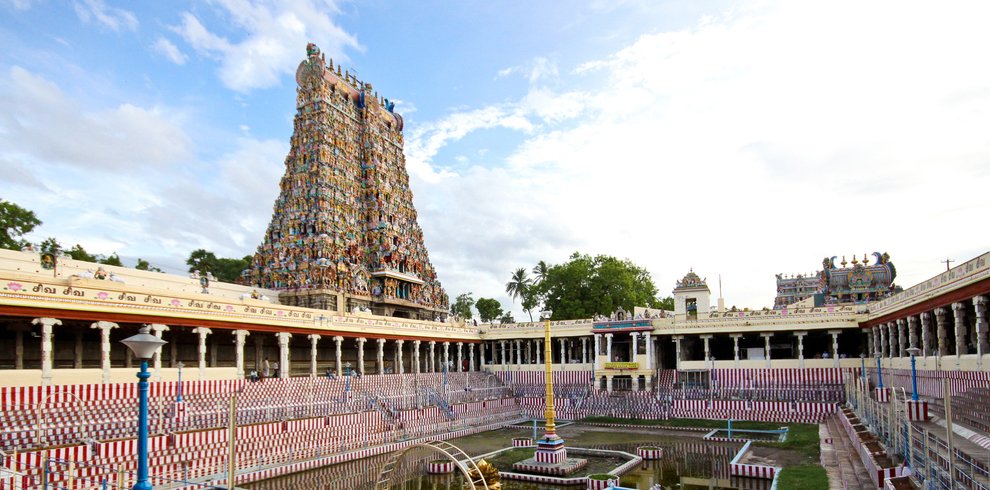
(343, 233)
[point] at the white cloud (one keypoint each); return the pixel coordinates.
(40, 123)
(275, 34)
(170, 51)
(753, 143)
(97, 11)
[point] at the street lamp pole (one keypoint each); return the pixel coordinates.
(178, 389)
(879, 370)
(914, 351)
(144, 346)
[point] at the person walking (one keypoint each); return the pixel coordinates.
(266, 369)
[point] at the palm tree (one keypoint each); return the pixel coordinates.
(519, 283)
(540, 271)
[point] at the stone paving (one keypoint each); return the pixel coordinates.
(841, 461)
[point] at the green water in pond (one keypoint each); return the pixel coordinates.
(689, 463)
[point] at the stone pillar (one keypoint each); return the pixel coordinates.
(800, 338)
(239, 340)
(608, 381)
(432, 363)
(283, 354)
(460, 356)
(635, 346)
(105, 328)
(157, 329)
(884, 345)
(982, 342)
(539, 352)
(501, 344)
(892, 336)
(481, 352)
(401, 367)
(941, 322)
(202, 332)
(380, 357)
(959, 314)
(598, 349)
(313, 340)
(835, 347)
(869, 340)
(360, 343)
(46, 347)
(766, 343)
(446, 355)
(677, 350)
(563, 352)
(608, 347)
(338, 346)
(708, 352)
(735, 347)
(876, 344)
(649, 353)
(926, 337)
(516, 358)
(471, 358)
(415, 365)
(902, 344)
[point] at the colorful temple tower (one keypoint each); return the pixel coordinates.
(344, 233)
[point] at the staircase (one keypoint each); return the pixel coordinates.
(442, 404)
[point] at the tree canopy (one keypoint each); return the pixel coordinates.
(585, 286)
(489, 309)
(462, 306)
(15, 221)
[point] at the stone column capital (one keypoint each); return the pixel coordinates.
(105, 326)
(338, 339)
(202, 331)
(314, 337)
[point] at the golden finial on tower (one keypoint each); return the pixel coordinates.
(843, 261)
(866, 261)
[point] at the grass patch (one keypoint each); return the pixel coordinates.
(514, 455)
(805, 477)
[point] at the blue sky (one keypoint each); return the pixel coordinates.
(740, 138)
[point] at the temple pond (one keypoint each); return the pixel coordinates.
(689, 463)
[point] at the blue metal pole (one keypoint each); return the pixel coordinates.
(914, 380)
(178, 390)
(143, 482)
(730, 428)
(879, 374)
(863, 369)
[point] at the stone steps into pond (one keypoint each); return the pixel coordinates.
(841, 461)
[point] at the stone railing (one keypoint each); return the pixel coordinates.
(957, 277)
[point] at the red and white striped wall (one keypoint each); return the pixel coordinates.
(753, 471)
(602, 484)
(522, 442)
(883, 394)
(917, 410)
(440, 467)
(650, 452)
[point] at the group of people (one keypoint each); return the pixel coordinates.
(268, 370)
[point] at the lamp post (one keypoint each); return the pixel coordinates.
(143, 345)
(914, 351)
(178, 389)
(879, 370)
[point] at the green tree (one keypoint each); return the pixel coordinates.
(51, 245)
(229, 270)
(507, 318)
(666, 303)
(144, 265)
(519, 286)
(540, 271)
(531, 300)
(15, 221)
(489, 309)
(202, 260)
(77, 252)
(112, 259)
(585, 286)
(462, 306)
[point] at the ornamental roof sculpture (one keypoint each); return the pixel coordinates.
(691, 280)
(344, 219)
(860, 283)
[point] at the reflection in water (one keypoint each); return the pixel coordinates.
(688, 464)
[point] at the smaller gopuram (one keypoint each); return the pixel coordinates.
(692, 296)
(344, 233)
(860, 283)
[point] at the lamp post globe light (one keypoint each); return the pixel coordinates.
(143, 345)
(914, 351)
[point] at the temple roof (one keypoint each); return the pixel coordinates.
(691, 281)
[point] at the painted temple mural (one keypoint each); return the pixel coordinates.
(344, 221)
